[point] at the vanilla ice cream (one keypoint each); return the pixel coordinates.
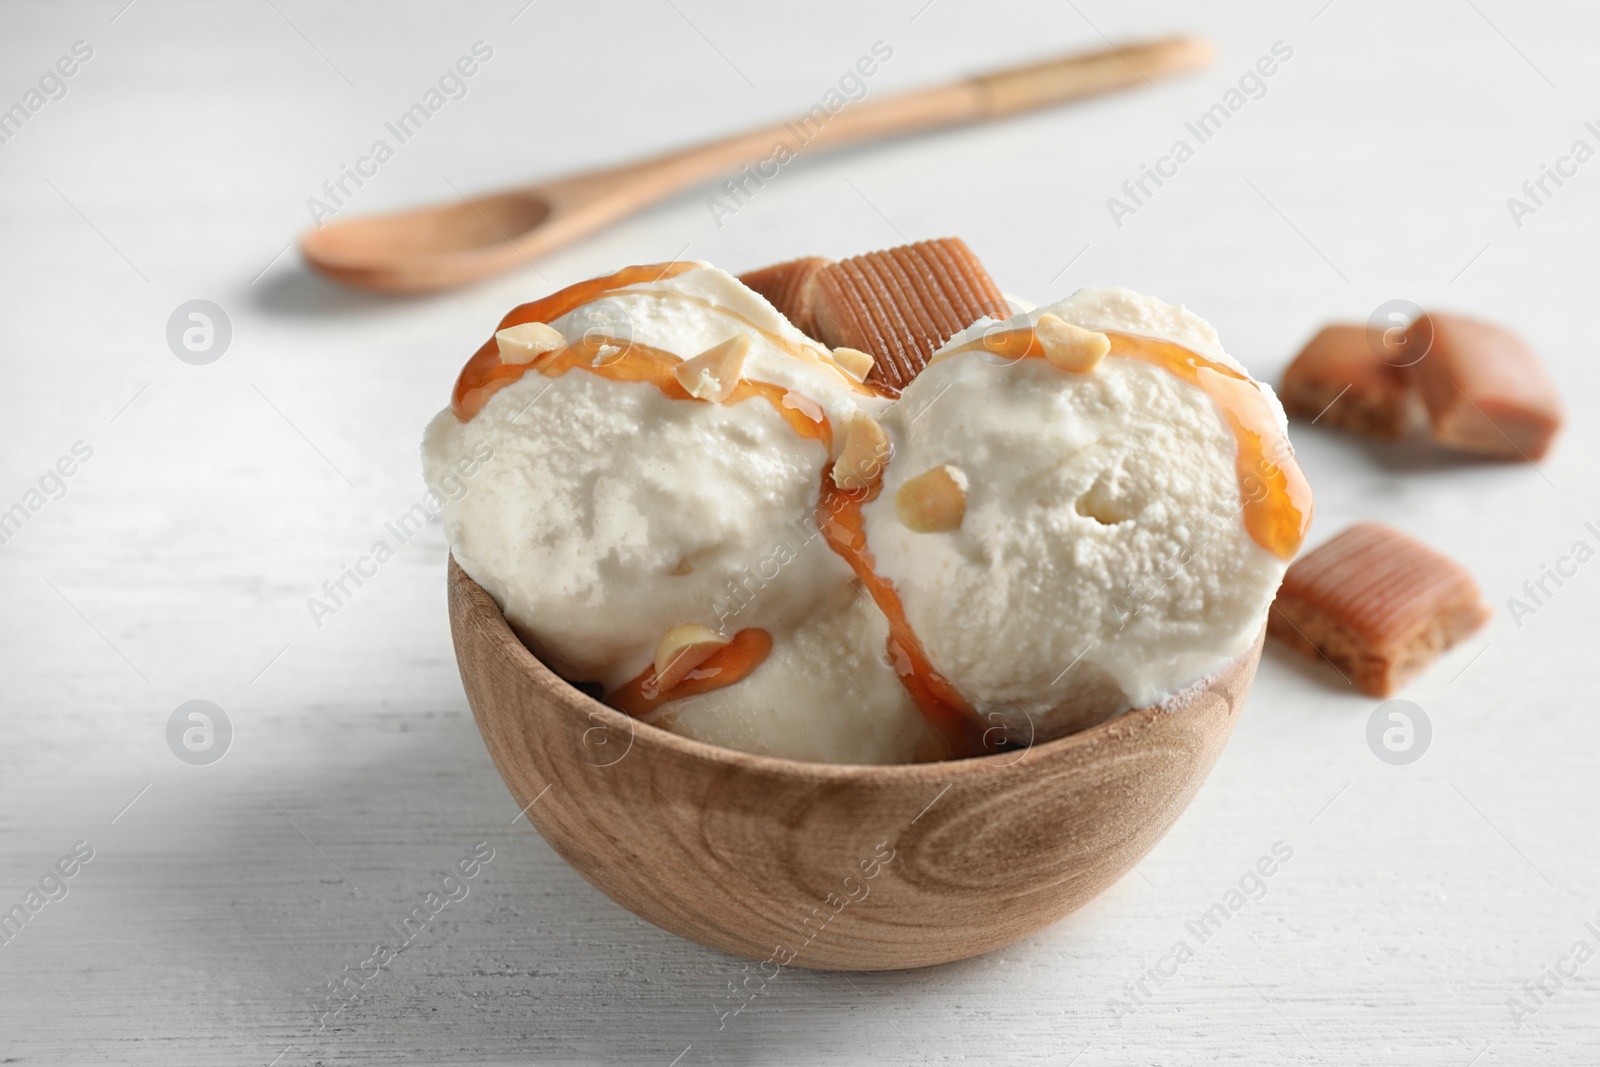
(609, 512)
(680, 497)
(826, 693)
(1102, 562)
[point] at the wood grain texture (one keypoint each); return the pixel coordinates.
(840, 867)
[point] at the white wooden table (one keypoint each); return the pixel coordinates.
(175, 564)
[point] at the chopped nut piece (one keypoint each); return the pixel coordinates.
(682, 649)
(861, 461)
(1339, 380)
(933, 501)
(713, 374)
(1485, 389)
(900, 305)
(854, 362)
(1072, 348)
(1378, 604)
(527, 341)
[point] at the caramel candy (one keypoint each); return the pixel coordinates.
(1378, 604)
(900, 305)
(787, 288)
(1484, 388)
(1338, 380)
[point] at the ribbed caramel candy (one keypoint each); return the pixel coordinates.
(1338, 380)
(1379, 604)
(1485, 389)
(787, 288)
(901, 304)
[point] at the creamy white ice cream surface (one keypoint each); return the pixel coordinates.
(1101, 564)
(609, 513)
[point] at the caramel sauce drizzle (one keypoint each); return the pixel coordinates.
(633, 362)
(1277, 511)
(1277, 498)
(809, 353)
(484, 375)
(729, 664)
(622, 360)
(947, 711)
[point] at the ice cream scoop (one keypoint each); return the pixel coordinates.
(1077, 534)
(617, 505)
(647, 452)
(825, 693)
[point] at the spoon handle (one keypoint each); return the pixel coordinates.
(1055, 81)
(435, 248)
(985, 96)
(1015, 89)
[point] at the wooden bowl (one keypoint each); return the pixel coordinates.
(823, 865)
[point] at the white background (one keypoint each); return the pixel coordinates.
(219, 498)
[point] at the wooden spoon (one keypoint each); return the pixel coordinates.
(824, 865)
(448, 245)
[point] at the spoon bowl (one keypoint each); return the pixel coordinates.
(825, 865)
(443, 246)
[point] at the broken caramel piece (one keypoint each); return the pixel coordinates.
(901, 304)
(1378, 604)
(1339, 380)
(787, 288)
(1485, 389)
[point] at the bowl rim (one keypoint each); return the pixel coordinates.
(937, 771)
